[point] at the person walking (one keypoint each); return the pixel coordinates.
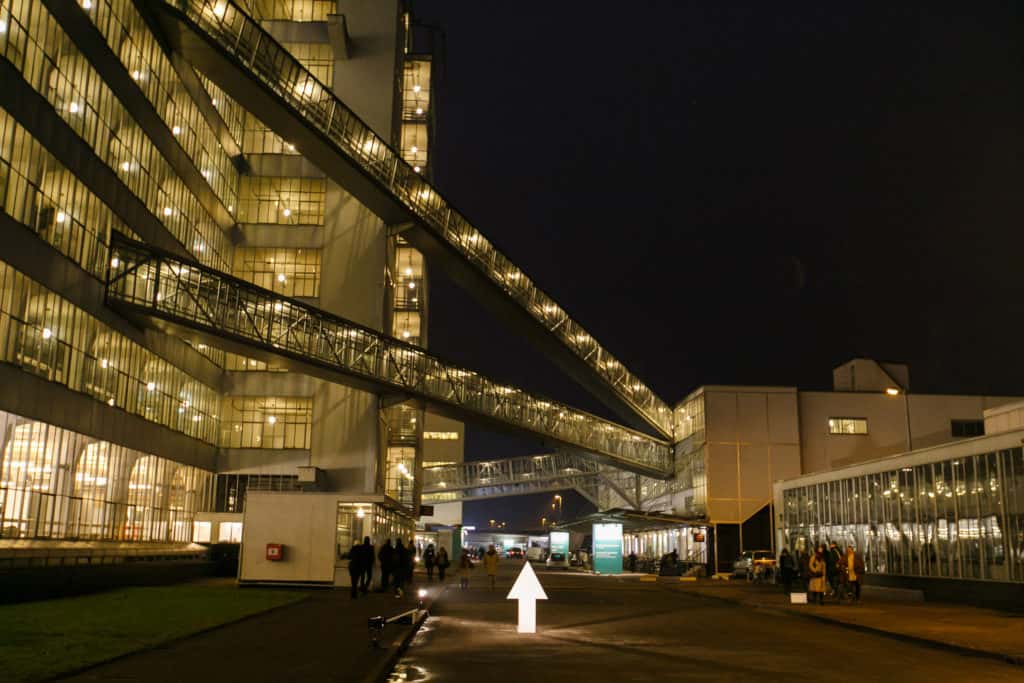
(442, 563)
(465, 566)
(387, 564)
(833, 560)
(786, 570)
(355, 569)
(410, 562)
(632, 562)
(429, 560)
(491, 564)
(368, 561)
(401, 562)
(853, 565)
(817, 568)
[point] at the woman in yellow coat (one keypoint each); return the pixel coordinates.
(491, 564)
(816, 586)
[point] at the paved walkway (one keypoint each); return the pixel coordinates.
(608, 628)
(324, 638)
(969, 629)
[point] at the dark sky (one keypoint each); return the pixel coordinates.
(739, 192)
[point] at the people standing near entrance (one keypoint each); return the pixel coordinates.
(368, 560)
(387, 564)
(442, 563)
(355, 569)
(465, 566)
(833, 560)
(817, 567)
(429, 560)
(401, 560)
(491, 564)
(786, 570)
(853, 565)
(804, 569)
(632, 562)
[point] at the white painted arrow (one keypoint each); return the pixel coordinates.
(527, 590)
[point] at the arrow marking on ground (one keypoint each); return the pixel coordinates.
(527, 590)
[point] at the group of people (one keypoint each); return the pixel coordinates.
(824, 572)
(397, 562)
(396, 565)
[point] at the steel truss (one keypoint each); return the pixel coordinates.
(388, 184)
(157, 286)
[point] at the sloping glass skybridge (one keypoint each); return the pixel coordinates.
(585, 485)
(234, 51)
(167, 291)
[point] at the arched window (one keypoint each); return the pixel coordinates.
(31, 478)
(146, 518)
(99, 474)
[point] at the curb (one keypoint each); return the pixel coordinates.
(1017, 660)
(164, 643)
(387, 665)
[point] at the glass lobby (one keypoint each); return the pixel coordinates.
(957, 518)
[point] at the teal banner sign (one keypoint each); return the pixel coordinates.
(608, 548)
(559, 543)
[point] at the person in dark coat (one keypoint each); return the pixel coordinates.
(368, 562)
(355, 568)
(787, 569)
(401, 561)
(442, 563)
(632, 562)
(387, 564)
(429, 560)
(833, 560)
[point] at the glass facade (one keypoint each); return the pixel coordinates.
(266, 422)
(55, 483)
(958, 518)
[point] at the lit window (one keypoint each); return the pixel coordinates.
(847, 425)
(201, 532)
(230, 532)
(441, 436)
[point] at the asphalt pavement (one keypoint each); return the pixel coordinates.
(608, 628)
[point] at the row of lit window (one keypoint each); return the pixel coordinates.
(131, 39)
(440, 436)
(55, 483)
(48, 336)
(415, 89)
(289, 10)
(237, 363)
(52, 65)
(282, 201)
(230, 111)
(45, 197)
(266, 422)
(291, 272)
(400, 467)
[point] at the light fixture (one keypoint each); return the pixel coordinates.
(176, 130)
(405, 334)
(287, 212)
(61, 216)
(136, 75)
(278, 307)
(73, 107)
(219, 9)
(3, 26)
(272, 419)
(412, 285)
(281, 277)
(414, 149)
(408, 271)
(150, 386)
(419, 110)
(167, 211)
(195, 418)
(115, 262)
(214, 101)
(892, 391)
(104, 363)
(47, 333)
(86, 4)
(125, 166)
(360, 513)
(110, 401)
(416, 88)
(416, 169)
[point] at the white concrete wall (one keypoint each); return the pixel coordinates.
(303, 522)
(753, 439)
(443, 451)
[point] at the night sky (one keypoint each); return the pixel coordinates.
(737, 192)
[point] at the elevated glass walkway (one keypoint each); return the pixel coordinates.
(167, 292)
(529, 474)
(233, 50)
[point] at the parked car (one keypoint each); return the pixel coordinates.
(514, 553)
(535, 554)
(557, 560)
(745, 563)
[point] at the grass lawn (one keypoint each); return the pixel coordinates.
(42, 639)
